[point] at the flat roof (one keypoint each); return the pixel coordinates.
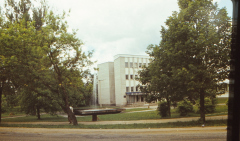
(129, 55)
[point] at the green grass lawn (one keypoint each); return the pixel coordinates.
(56, 118)
(125, 116)
(44, 118)
(222, 100)
(127, 126)
(13, 112)
(136, 109)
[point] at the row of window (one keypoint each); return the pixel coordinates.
(131, 89)
(135, 65)
(131, 77)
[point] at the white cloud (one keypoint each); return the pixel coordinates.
(113, 27)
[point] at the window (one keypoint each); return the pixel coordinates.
(126, 64)
(135, 65)
(140, 65)
(136, 89)
(126, 76)
(131, 64)
(131, 89)
(144, 64)
(127, 89)
(131, 76)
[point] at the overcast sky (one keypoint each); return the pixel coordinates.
(111, 27)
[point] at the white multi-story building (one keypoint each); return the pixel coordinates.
(117, 84)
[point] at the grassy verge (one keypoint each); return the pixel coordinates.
(12, 112)
(128, 115)
(136, 109)
(222, 100)
(127, 126)
(44, 118)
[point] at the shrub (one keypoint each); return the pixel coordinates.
(162, 109)
(174, 104)
(150, 98)
(226, 102)
(184, 107)
(4, 105)
(209, 105)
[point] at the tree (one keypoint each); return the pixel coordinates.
(193, 53)
(160, 79)
(36, 97)
(88, 93)
(21, 55)
(16, 51)
(42, 57)
(66, 58)
(184, 107)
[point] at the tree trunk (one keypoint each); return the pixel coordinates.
(1, 89)
(69, 112)
(38, 112)
(202, 107)
(72, 116)
(1, 92)
(169, 107)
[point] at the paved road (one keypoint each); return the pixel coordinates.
(166, 134)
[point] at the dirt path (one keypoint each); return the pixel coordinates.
(163, 134)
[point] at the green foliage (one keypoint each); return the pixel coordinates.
(30, 102)
(88, 89)
(226, 102)
(45, 64)
(150, 98)
(162, 109)
(4, 104)
(193, 53)
(174, 104)
(184, 107)
(209, 105)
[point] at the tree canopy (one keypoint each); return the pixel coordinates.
(40, 59)
(193, 55)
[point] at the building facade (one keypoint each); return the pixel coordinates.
(106, 84)
(117, 84)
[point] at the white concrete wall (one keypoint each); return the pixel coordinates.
(120, 81)
(106, 90)
(112, 81)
